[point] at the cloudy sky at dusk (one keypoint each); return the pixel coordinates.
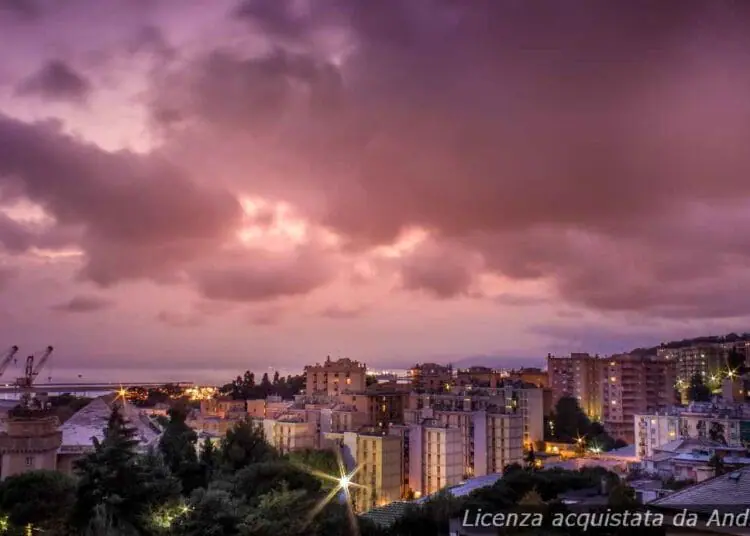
(222, 185)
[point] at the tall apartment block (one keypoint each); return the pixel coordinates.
(379, 460)
(382, 404)
(431, 378)
(436, 459)
(634, 384)
(511, 398)
(335, 377)
(578, 376)
(490, 436)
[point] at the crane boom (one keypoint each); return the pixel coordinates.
(9, 355)
(43, 360)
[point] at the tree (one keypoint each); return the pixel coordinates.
(248, 380)
(717, 463)
(736, 361)
(117, 488)
(323, 461)
(530, 459)
(212, 513)
(208, 460)
(243, 445)
(178, 446)
(265, 386)
(282, 511)
(259, 479)
(43, 499)
(622, 496)
(570, 422)
(716, 433)
(698, 391)
(276, 378)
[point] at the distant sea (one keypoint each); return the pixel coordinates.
(221, 376)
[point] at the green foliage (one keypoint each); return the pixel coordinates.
(622, 496)
(245, 387)
(570, 423)
(212, 513)
(244, 445)
(42, 498)
(259, 479)
(208, 461)
(736, 361)
(118, 488)
(698, 391)
(178, 447)
(716, 433)
(324, 461)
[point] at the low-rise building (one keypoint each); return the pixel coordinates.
(724, 421)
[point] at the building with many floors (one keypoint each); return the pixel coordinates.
(431, 378)
(578, 376)
(335, 377)
(634, 384)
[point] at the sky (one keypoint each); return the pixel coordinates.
(192, 187)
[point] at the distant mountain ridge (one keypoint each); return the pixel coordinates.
(684, 343)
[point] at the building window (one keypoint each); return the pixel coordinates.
(29, 461)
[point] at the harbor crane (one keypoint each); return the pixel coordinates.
(33, 368)
(7, 358)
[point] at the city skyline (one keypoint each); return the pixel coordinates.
(255, 183)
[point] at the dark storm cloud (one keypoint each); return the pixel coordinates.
(140, 217)
(56, 81)
(571, 142)
(25, 9)
(151, 40)
(442, 272)
(259, 276)
(83, 304)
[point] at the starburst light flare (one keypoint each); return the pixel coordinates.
(343, 482)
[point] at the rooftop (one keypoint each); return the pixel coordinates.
(89, 422)
(730, 489)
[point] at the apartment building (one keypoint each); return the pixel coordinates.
(706, 360)
(725, 422)
(436, 459)
(270, 407)
(634, 384)
(379, 459)
(382, 404)
(290, 432)
(335, 377)
(475, 376)
(225, 408)
(431, 378)
(510, 397)
(579, 376)
(534, 376)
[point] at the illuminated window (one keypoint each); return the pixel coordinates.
(613, 379)
(614, 402)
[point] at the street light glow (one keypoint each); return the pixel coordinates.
(344, 481)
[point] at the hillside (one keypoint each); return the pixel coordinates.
(728, 338)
